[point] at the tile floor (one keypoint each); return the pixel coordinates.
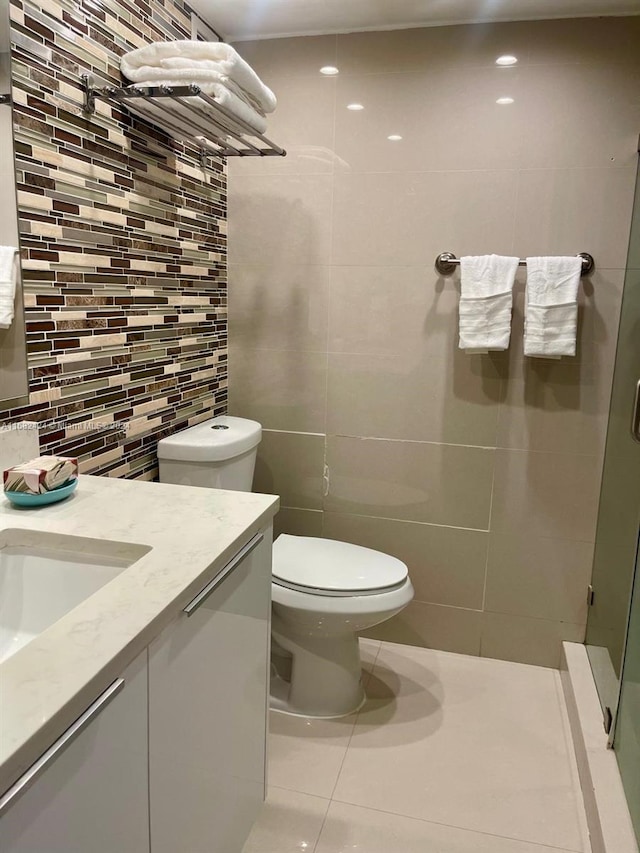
(450, 754)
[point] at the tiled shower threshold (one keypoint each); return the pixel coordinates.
(606, 809)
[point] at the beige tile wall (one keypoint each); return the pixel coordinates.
(481, 472)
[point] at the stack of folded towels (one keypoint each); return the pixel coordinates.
(215, 67)
(43, 474)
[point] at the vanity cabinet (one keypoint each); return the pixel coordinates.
(92, 794)
(208, 689)
(171, 758)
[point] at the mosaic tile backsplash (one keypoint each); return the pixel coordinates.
(123, 239)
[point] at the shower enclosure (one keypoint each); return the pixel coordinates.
(613, 627)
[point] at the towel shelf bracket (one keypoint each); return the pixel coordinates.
(446, 263)
(186, 114)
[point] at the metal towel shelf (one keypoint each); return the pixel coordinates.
(199, 120)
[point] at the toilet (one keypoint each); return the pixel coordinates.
(323, 592)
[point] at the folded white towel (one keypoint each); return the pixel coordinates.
(551, 311)
(486, 296)
(213, 62)
(226, 98)
(8, 274)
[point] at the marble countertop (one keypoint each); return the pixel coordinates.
(192, 533)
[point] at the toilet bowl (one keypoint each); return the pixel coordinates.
(324, 592)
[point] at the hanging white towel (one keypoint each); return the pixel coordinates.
(486, 297)
(551, 311)
(8, 272)
(194, 61)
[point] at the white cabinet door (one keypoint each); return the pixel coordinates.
(92, 797)
(208, 677)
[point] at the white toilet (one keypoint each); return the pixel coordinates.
(323, 591)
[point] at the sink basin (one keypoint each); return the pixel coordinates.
(43, 576)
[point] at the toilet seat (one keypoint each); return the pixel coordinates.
(326, 567)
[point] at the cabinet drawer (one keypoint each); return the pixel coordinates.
(91, 792)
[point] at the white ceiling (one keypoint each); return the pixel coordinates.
(255, 19)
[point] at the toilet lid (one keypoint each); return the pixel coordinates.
(334, 568)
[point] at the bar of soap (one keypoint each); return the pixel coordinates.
(40, 475)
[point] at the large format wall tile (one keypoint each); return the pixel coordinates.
(291, 464)
(281, 389)
(556, 406)
(451, 629)
(298, 522)
(545, 494)
(602, 41)
(446, 564)
(554, 95)
(546, 221)
(524, 640)
(409, 218)
(275, 219)
(389, 310)
(279, 306)
(425, 399)
(538, 577)
(434, 483)
(478, 133)
(289, 57)
(303, 124)
(431, 47)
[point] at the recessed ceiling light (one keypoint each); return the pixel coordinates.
(507, 59)
(395, 137)
(504, 101)
(355, 107)
(329, 70)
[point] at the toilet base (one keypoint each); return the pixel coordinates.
(279, 702)
(326, 675)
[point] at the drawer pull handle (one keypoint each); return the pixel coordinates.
(202, 596)
(29, 777)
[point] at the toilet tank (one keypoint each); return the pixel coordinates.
(217, 454)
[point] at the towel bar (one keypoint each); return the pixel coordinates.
(446, 262)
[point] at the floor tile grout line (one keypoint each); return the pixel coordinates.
(541, 844)
(331, 800)
(355, 723)
(322, 825)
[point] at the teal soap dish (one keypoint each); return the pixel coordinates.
(52, 497)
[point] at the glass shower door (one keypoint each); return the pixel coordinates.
(626, 742)
(619, 513)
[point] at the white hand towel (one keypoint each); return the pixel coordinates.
(486, 296)
(153, 61)
(8, 273)
(551, 311)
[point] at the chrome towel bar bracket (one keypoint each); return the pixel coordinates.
(446, 262)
